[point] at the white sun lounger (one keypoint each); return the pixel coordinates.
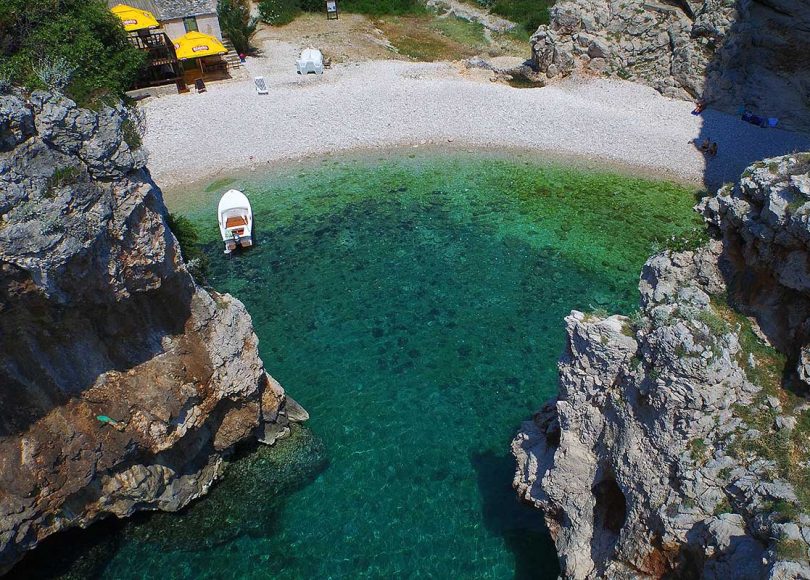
(261, 86)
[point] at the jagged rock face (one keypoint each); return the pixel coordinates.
(650, 461)
(732, 54)
(765, 224)
(99, 316)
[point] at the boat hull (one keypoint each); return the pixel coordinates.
(235, 217)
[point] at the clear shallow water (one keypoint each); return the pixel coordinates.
(414, 306)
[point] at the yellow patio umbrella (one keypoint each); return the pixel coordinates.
(197, 44)
(134, 18)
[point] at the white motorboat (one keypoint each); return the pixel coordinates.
(235, 220)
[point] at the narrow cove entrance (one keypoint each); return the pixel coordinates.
(414, 306)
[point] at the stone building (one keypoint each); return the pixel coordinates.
(180, 16)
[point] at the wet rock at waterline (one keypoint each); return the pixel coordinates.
(412, 303)
(100, 318)
(249, 499)
(264, 475)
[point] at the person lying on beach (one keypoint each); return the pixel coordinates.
(699, 106)
(750, 117)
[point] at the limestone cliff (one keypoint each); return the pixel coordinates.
(100, 317)
(678, 443)
(732, 53)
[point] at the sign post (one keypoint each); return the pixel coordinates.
(331, 10)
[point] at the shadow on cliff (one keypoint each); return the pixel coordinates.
(520, 526)
(762, 66)
(73, 553)
(52, 352)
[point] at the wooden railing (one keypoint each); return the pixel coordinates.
(162, 64)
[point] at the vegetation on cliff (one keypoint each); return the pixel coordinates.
(101, 319)
(77, 47)
(707, 384)
(188, 238)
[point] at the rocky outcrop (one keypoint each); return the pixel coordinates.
(678, 443)
(744, 53)
(124, 384)
(764, 222)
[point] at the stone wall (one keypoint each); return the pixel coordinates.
(100, 317)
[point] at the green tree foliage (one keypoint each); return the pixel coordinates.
(237, 23)
(79, 42)
(382, 7)
(279, 12)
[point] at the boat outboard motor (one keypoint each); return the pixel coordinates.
(232, 244)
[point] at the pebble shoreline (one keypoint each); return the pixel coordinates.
(383, 104)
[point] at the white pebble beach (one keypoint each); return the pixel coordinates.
(383, 104)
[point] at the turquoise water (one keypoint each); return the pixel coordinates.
(414, 306)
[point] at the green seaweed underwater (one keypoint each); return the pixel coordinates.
(414, 306)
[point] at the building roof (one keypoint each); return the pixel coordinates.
(171, 9)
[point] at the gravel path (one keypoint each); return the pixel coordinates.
(381, 104)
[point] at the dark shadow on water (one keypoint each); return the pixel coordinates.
(248, 502)
(75, 553)
(522, 527)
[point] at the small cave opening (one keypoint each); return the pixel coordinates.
(609, 513)
(553, 434)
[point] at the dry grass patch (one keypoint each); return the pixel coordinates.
(428, 38)
(422, 37)
(433, 38)
(352, 38)
(788, 449)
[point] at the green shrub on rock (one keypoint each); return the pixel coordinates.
(381, 7)
(278, 12)
(189, 240)
(529, 14)
(77, 47)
